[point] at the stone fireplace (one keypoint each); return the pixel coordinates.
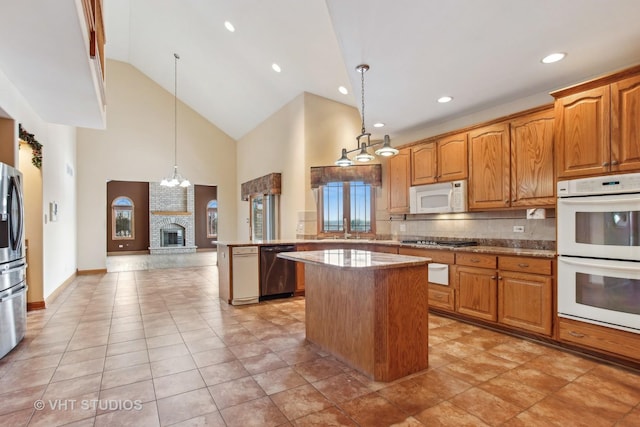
(171, 219)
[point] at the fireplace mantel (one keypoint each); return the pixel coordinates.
(170, 213)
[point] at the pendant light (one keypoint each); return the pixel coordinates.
(363, 155)
(175, 178)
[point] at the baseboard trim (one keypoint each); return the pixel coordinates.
(89, 272)
(143, 252)
(55, 294)
(36, 305)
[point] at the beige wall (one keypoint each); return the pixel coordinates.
(308, 131)
(138, 145)
(52, 246)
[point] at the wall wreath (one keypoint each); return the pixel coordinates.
(36, 147)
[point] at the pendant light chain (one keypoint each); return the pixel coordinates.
(362, 71)
(175, 112)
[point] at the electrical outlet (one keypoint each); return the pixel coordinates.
(403, 227)
(518, 228)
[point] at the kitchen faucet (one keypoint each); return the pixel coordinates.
(344, 225)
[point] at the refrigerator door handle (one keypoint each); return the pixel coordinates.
(11, 294)
(12, 269)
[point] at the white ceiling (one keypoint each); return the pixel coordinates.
(483, 53)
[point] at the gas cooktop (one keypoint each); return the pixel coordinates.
(452, 243)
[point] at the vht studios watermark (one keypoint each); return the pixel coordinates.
(86, 404)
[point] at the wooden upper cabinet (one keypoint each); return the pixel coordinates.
(625, 125)
(439, 161)
(452, 158)
(424, 166)
(489, 167)
(532, 166)
(399, 180)
(598, 126)
(583, 133)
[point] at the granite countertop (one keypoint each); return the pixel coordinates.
(354, 259)
(513, 249)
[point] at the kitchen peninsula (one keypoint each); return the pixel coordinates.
(368, 309)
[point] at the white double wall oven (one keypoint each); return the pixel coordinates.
(599, 250)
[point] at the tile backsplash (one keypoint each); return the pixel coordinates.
(473, 225)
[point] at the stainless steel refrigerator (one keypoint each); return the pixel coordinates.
(13, 265)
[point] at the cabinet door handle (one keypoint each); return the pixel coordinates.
(576, 334)
(614, 162)
(523, 265)
(474, 260)
(493, 277)
(506, 202)
(605, 164)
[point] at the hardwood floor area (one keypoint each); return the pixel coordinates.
(157, 347)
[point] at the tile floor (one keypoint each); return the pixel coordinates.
(157, 347)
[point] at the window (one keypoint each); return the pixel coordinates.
(212, 218)
(122, 218)
(346, 207)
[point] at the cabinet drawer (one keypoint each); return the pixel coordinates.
(437, 255)
(476, 260)
(441, 297)
(598, 337)
(525, 265)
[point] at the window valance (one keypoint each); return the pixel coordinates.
(268, 184)
(370, 174)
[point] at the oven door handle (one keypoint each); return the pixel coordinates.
(592, 264)
(592, 201)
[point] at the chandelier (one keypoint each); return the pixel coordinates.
(364, 139)
(175, 178)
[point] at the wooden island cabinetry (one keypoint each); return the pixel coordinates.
(511, 163)
(511, 290)
(328, 244)
(439, 160)
(598, 126)
(367, 309)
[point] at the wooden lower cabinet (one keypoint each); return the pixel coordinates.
(525, 301)
(440, 296)
(510, 290)
(477, 293)
(608, 340)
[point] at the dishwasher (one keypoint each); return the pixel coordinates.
(277, 275)
(245, 275)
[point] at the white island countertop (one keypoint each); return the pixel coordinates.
(354, 259)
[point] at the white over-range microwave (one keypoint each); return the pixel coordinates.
(438, 198)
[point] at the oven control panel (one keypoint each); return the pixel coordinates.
(610, 184)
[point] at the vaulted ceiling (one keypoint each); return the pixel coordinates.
(482, 53)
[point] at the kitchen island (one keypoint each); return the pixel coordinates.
(368, 309)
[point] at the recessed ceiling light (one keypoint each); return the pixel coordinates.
(554, 57)
(343, 90)
(378, 125)
(445, 99)
(229, 26)
(276, 67)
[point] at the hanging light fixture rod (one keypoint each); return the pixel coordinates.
(363, 146)
(175, 178)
